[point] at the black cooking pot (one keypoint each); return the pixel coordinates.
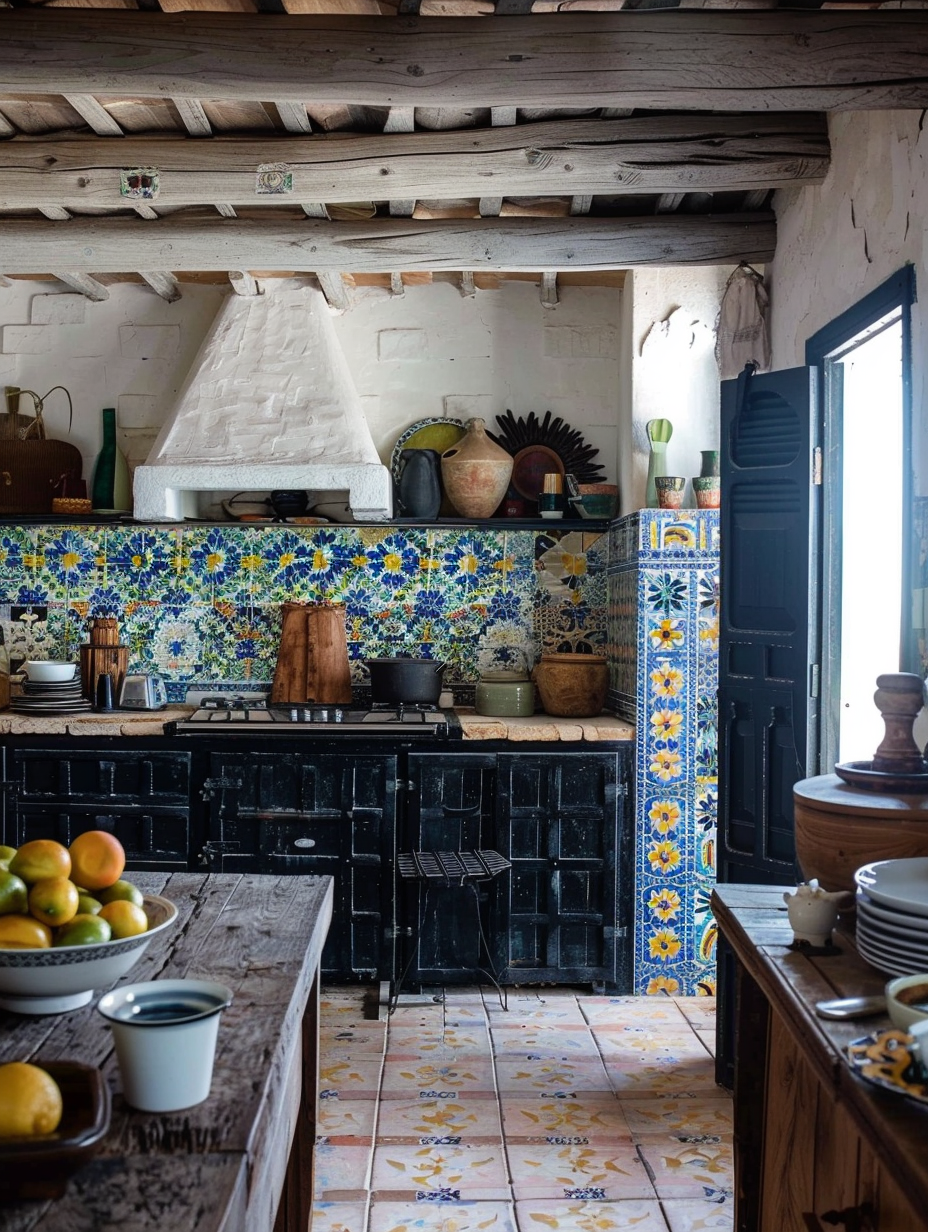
(402, 681)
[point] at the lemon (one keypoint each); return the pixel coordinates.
(13, 894)
(124, 918)
(119, 891)
(30, 1101)
(83, 930)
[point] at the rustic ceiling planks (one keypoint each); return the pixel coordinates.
(731, 60)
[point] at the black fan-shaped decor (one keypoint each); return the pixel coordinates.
(569, 445)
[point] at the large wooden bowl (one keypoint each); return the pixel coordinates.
(839, 828)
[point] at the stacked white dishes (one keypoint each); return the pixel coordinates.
(892, 915)
(47, 691)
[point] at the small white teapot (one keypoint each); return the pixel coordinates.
(813, 911)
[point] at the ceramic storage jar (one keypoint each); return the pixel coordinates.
(505, 695)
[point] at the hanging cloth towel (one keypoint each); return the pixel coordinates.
(741, 330)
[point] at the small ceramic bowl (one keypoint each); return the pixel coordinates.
(907, 1000)
(49, 670)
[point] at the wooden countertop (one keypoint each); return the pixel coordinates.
(538, 727)
(222, 1164)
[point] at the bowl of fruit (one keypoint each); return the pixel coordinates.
(69, 922)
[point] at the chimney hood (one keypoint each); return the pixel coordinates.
(268, 403)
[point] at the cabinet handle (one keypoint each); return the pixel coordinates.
(304, 842)
(853, 1219)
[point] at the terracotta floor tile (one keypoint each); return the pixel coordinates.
(590, 1117)
(604, 1171)
(573, 1043)
(632, 1215)
(348, 1079)
(616, 1011)
(341, 1167)
(690, 1076)
(415, 1119)
(640, 1041)
(471, 1039)
(441, 1217)
(339, 1216)
(416, 1169)
(695, 1214)
(687, 1168)
(338, 1117)
(424, 1075)
(546, 1077)
(678, 1116)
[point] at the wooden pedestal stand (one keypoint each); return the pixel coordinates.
(103, 656)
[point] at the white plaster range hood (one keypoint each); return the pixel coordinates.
(268, 403)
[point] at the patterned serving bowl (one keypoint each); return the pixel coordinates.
(64, 977)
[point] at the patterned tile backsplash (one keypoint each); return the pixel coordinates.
(201, 604)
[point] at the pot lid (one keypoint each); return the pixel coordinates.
(502, 676)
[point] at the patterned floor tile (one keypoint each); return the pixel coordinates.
(632, 1215)
(349, 1080)
(696, 1214)
(678, 1116)
(708, 1041)
(616, 1011)
(339, 1216)
(341, 1167)
(558, 1011)
(441, 1217)
(642, 1043)
(687, 1168)
(692, 1076)
(464, 1171)
(537, 1040)
(354, 1043)
(584, 1118)
(606, 1171)
(472, 1040)
(699, 1012)
(414, 1077)
(416, 1119)
(550, 1077)
(339, 1118)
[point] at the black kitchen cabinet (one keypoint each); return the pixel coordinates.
(562, 913)
(285, 812)
(140, 795)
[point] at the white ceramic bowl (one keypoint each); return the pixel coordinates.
(49, 670)
(64, 977)
(904, 1012)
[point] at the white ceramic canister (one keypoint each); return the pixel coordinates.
(505, 695)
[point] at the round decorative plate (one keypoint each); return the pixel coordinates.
(884, 1059)
(436, 433)
(902, 884)
(529, 467)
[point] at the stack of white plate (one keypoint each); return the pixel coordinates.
(892, 915)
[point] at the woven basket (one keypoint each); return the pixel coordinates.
(31, 470)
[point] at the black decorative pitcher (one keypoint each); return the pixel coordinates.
(419, 487)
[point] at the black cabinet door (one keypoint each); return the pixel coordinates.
(153, 839)
(449, 808)
(326, 814)
(557, 821)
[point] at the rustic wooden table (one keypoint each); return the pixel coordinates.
(243, 1159)
(816, 1146)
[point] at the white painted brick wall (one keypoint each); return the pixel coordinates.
(27, 339)
(469, 406)
(65, 309)
(149, 341)
(408, 344)
(138, 411)
(586, 342)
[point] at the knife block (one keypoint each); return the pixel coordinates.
(103, 655)
(312, 663)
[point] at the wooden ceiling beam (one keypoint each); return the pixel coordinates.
(162, 283)
(728, 61)
(95, 115)
(387, 244)
(573, 158)
(86, 285)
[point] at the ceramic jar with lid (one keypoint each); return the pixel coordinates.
(505, 695)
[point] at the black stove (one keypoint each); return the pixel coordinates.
(222, 715)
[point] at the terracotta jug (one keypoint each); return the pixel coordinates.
(476, 472)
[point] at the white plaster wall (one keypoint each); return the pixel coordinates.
(430, 352)
(839, 240)
(674, 371)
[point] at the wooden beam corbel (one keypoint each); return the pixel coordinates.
(334, 290)
(549, 290)
(467, 283)
(396, 284)
(243, 283)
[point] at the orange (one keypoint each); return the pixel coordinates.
(22, 932)
(120, 890)
(124, 918)
(83, 930)
(30, 1101)
(97, 859)
(41, 858)
(13, 894)
(54, 900)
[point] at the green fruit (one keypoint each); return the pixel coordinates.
(88, 905)
(120, 890)
(83, 930)
(14, 896)
(6, 855)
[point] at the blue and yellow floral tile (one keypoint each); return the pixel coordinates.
(465, 1171)
(524, 1043)
(590, 1213)
(470, 1075)
(576, 1119)
(613, 1169)
(339, 1216)
(547, 1077)
(429, 1122)
(688, 1117)
(685, 1165)
(437, 1215)
(713, 1212)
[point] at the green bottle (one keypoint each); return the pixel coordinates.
(110, 491)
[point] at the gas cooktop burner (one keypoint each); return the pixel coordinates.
(224, 714)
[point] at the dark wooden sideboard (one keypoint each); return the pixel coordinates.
(816, 1146)
(242, 1160)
